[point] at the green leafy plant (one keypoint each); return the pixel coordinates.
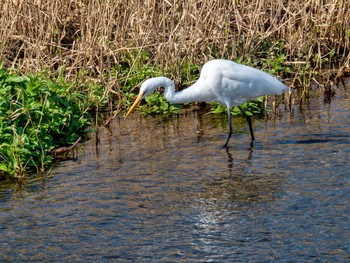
(36, 115)
(157, 104)
(254, 107)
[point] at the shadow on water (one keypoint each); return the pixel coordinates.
(153, 190)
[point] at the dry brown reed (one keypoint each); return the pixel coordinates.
(96, 35)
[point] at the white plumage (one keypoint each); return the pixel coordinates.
(222, 81)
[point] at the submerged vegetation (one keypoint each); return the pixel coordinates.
(96, 53)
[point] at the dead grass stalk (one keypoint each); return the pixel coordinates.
(97, 35)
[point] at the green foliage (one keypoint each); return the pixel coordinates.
(275, 64)
(254, 107)
(131, 72)
(157, 104)
(36, 114)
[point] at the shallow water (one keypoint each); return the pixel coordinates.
(151, 190)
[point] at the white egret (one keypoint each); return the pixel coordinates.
(222, 81)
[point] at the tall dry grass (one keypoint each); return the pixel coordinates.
(96, 35)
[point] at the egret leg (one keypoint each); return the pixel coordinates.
(229, 127)
(249, 122)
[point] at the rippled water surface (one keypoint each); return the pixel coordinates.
(165, 191)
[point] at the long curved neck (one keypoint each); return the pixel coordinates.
(169, 88)
(189, 94)
(197, 92)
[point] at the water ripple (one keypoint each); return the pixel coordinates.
(155, 191)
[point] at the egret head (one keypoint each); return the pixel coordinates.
(147, 87)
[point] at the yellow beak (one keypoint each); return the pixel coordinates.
(136, 102)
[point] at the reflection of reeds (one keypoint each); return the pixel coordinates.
(96, 35)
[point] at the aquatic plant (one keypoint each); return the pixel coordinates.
(254, 107)
(37, 114)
